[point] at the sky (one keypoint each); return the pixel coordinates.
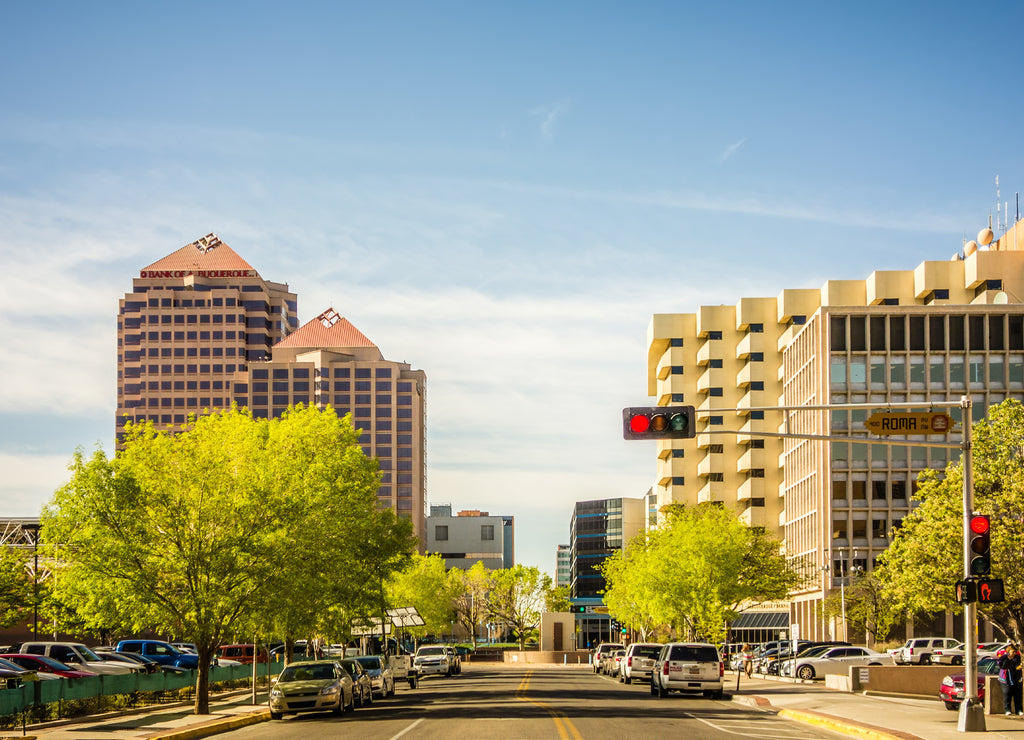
(500, 194)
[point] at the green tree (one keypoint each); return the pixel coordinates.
(472, 590)
(517, 599)
(919, 569)
(628, 596)
(424, 584)
(697, 572)
(559, 599)
(189, 534)
(867, 607)
(16, 591)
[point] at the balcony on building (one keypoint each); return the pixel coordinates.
(710, 491)
(752, 458)
(751, 342)
(710, 463)
(750, 488)
(711, 377)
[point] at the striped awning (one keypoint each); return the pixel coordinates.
(761, 621)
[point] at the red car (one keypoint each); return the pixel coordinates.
(42, 664)
(951, 692)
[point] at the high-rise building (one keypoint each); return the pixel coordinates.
(928, 335)
(563, 566)
(598, 530)
(202, 330)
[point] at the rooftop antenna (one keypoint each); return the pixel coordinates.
(997, 204)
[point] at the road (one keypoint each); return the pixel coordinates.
(535, 703)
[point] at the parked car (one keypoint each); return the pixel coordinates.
(13, 675)
(952, 690)
(162, 652)
(602, 651)
(432, 659)
(42, 664)
(638, 662)
(835, 661)
(312, 686)
(243, 653)
(361, 679)
(611, 664)
(688, 667)
(455, 658)
(955, 654)
(186, 647)
(112, 656)
(919, 649)
(77, 656)
(380, 673)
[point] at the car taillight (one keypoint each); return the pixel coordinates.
(629, 663)
(664, 669)
(721, 669)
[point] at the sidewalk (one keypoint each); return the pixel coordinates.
(856, 715)
(174, 722)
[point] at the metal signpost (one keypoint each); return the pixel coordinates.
(886, 423)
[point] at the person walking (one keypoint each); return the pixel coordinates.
(1010, 681)
(748, 660)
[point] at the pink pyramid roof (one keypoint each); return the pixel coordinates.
(202, 256)
(329, 331)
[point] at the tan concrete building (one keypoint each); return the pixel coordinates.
(201, 329)
(928, 335)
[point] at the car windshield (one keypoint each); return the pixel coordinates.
(307, 672)
(88, 654)
(4, 663)
(431, 651)
(694, 653)
(372, 663)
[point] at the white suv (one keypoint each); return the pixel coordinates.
(919, 649)
(639, 661)
(688, 666)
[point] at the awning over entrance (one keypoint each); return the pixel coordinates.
(761, 621)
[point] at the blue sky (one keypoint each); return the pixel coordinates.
(499, 194)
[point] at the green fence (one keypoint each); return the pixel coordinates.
(39, 693)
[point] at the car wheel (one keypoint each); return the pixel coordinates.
(952, 705)
(369, 698)
(351, 706)
(341, 707)
(389, 690)
(957, 661)
(925, 659)
(626, 680)
(275, 715)
(805, 672)
(654, 689)
(662, 691)
(413, 681)
(718, 694)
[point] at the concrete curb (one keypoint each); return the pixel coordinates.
(213, 727)
(829, 722)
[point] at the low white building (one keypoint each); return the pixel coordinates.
(471, 536)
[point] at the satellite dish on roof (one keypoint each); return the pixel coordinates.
(1000, 298)
(970, 248)
(985, 237)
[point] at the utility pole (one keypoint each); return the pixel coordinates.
(972, 712)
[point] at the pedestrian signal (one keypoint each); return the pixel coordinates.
(990, 591)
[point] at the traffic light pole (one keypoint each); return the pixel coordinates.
(972, 712)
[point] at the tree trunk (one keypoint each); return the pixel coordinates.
(202, 703)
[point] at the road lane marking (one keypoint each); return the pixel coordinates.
(395, 737)
(563, 724)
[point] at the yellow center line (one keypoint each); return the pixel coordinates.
(563, 724)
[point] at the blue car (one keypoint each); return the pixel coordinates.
(162, 652)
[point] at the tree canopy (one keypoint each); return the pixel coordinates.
(229, 524)
(517, 599)
(695, 573)
(919, 569)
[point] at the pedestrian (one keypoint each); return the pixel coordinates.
(1010, 680)
(748, 660)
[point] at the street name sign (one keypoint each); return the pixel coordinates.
(890, 422)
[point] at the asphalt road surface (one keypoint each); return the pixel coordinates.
(534, 703)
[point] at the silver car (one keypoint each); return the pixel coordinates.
(382, 677)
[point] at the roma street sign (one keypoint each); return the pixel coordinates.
(892, 422)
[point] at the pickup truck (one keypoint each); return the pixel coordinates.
(162, 652)
(76, 655)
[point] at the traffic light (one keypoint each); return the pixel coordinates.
(990, 591)
(579, 609)
(981, 543)
(659, 422)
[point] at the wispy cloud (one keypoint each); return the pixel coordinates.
(549, 116)
(732, 149)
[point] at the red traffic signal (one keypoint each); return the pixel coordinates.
(980, 544)
(659, 422)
